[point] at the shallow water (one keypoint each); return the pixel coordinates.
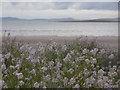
(23, 28)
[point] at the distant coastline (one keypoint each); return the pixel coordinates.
(63, 19)
(91, 21)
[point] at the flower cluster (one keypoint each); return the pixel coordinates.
(54, 65)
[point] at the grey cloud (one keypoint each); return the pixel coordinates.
(100, 6)
(59, 9)
(63, 5)
(89, 5)
(67, 5)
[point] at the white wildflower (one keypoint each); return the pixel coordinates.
(41, 49)
(112, 74)
(111, 56)
(94, 51)
(86, 71)
(94, 73)
(2, 60)
(27, 79)
(87, 61)
(12, 67)
(71, 70)
(93, 61)
(65, 80)
(85, 51)
(115, 74)
(106, 85)
(101, 72)
(54, 44)
(77, 86)
(50, 47)
(59, 64)
(21, 47)
(17, 66)
(47, 78)
(44, 68)
(110, 81)
(102, 51)
(90, 80)
(80, 58)
(115, 86)
(36, 85)
(100, 83)
(42, 83)
(59, 76)
(3, 66)
(67, 58)
(72, 62)
(72, 81)
(19, 75)
(64, 48)
(44, 87)
(29, 48)
(105, 79)
(7, 55)
(59, 87)
(51, 63)
(115, 68)
(72, 52)
(2, 82)
(21, 83)
(92, 65)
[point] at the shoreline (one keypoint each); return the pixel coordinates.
(106, 41)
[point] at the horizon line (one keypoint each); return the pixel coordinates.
(59, 18)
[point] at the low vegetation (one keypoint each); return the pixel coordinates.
(80, 64)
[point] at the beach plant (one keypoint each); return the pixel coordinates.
(78, 64)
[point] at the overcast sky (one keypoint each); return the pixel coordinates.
(76, 10)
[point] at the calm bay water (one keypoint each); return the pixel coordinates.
(31, 28)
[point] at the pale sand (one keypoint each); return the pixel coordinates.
(106, 41)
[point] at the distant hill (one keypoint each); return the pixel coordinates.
(10, 18)
(53, 19)
(98, 20)
(64, 19)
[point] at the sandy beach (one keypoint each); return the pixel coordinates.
(106, 41)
